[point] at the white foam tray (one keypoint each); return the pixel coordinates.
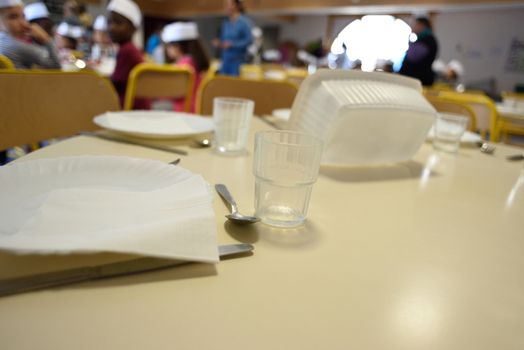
(363, 118)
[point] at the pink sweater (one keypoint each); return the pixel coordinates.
(187, 61)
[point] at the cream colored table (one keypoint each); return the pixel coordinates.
(427, 254)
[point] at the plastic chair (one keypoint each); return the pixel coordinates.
(148, 80)
(296, 75)
(267, 94)
(485, 111)
(449, 106)
(251, 71)
(6, 63)
(40, 105)
(509, 126)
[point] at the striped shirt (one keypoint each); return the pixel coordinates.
(25, 56)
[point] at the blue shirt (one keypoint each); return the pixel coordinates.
(238, 33)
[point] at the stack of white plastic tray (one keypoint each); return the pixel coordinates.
(364, 118)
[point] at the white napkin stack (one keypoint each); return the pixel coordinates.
(111, 204)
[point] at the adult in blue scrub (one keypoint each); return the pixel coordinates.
(235, 38)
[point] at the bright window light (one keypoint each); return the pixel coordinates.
(373, 38)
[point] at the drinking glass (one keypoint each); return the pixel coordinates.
(286, 165)
(231, 117)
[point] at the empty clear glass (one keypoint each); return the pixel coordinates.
(285, 166)
(232, 117)
(448, 131)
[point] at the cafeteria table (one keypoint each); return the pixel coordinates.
(423, 254)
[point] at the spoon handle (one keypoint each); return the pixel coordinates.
(226, 196)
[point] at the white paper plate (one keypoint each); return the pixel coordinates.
(467, 137)
(155, 124)
(106, 204)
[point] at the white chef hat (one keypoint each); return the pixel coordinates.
(128, 9)
(456, 66)
(10, 3)
(35, 11)
(70, 31)
(179, 31)
(100, 23)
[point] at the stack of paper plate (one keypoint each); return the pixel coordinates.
(155, 124)
(106, 204)
(363, 118)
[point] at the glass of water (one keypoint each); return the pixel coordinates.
(285, 166)
(231, 117)
(448, 131)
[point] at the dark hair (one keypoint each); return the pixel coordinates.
(195, 49)
(424, 21)
(240, 6)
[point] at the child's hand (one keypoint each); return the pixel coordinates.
(215, 42)
(36, 32)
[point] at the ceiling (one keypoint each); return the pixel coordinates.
(177, 8)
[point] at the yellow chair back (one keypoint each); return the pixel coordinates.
(40, 105)
(149, 80)
(485, 111)
(6, 63)
(251, 71)
(450, 106)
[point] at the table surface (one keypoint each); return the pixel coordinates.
(423, 254)
(510, 112)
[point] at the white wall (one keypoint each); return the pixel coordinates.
(305, 29)
(481, 41)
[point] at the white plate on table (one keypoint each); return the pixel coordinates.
(106, 204)
(155, 124)
(282, 114)
(467, 137)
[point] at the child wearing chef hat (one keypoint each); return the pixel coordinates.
(185, 49)
(124, 18)
(14, 34)
(37, 13)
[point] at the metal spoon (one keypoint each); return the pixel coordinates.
(235, 216)
(486, 147)
(202, 143)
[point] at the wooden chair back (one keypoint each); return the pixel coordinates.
(267, 94)
(39, 105)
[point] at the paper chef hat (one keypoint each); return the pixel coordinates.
(10, 3)
(128, 9)
(179, 31)
(35, 11)
(70, 31)
(100, 23)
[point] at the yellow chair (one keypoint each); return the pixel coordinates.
(267, 94)
(149, 80)
(251, 71)
(449, 106)
(296, 75)
(485, 111)
(6, 63)
(272, 71)
(509, 126)
(40, 105)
